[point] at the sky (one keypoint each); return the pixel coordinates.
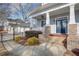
(16, 11)
(19, 10)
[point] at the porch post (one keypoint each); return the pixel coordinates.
(47, 27)
(72, 14)
(72, 29)
(72, 23)
(47, 19)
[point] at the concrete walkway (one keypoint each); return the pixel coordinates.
(20, 50)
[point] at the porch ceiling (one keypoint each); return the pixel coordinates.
(54, 13)
(58, 12)
(63, 10)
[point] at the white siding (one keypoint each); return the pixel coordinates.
(38, 23)
(77, 16)
(53, 29)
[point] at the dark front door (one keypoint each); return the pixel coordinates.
(61, 26)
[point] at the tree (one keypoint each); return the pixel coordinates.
(4, 13)
(21, 10)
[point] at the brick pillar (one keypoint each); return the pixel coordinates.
(72, 37)
(47, 30)
(73, 29)
(47, 27)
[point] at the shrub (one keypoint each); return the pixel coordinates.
(17, 38)
(32, 41)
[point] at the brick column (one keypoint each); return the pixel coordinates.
(47, 30)
(73, 29)
(72, 23)
(72, 37)
(47, 27)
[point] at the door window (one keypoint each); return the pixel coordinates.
(61, 25)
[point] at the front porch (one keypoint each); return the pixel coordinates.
(48, 22)
(50, 19)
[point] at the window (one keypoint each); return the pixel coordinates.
(43, 23)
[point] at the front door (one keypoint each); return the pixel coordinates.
(61, 25)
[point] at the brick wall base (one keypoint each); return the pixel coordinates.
(73, 37)
(72, 42)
